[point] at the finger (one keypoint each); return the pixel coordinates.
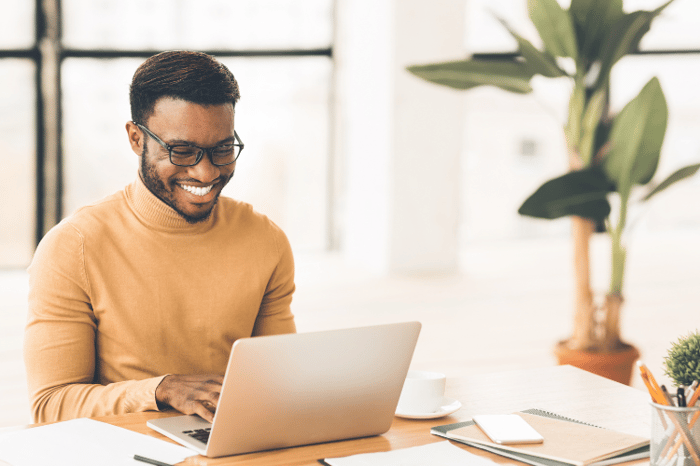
(208, 390)
(215, 383)
(215, 399)
(210, 397)
(201, 379)
(202, 411)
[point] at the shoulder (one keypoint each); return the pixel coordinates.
(243, 217)
(86, 220)
(99, 212)
(232, 210)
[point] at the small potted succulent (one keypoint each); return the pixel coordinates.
(683, 360)
(675, 426)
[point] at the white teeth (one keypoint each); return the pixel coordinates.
(196, 190)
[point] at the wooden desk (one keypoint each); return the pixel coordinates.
(564, 390)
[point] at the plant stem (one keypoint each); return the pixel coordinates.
(613, 301)
(583, 335)
(618, 251)
(611, 336)
(619, 256)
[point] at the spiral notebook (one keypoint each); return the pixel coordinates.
(567, 442)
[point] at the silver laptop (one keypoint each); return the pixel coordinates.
(297, 389)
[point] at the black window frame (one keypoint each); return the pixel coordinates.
(47, 53)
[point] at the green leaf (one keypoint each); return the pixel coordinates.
(675, 177)
(555, 26)
(636, 137)
(624, 38)
(589, 124)
(593, 20)
(582, 193)
(577, 102)
(539, 62)
(509, 75)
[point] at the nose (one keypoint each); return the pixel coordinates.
(204, 171)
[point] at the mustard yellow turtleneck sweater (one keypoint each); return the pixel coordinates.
(125, 291)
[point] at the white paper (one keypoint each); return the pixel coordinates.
(85, 442)
(442, 453)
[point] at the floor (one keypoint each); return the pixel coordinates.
(505, 311)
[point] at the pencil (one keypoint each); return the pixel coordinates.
(685, 435)
(667, 396)
(650, 382)
(143, 459)
(656, 398)
(691, 402)
(694, 397)
(678, 421)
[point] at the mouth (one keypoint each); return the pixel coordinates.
(200, 191)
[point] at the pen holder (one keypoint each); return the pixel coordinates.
(675, 436)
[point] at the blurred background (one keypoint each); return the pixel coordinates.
(399, 197)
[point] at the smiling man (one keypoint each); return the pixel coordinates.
(135, 300)
(176, 174)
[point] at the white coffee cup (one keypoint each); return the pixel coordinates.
(422, 392)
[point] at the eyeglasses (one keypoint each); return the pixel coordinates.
(188, 155)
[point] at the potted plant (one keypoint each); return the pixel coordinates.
(683, 360)
(609, 155)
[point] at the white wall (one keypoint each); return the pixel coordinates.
(398, 137)
(425, 173)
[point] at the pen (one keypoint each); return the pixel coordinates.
(691, 424)
(143, 459)
(667, 396)
(680, 394)
(682, 428)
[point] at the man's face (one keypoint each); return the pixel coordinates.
(191, 191)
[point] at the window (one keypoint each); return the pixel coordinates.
(17, 134)
(280, 52)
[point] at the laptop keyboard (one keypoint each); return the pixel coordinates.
(200, 434)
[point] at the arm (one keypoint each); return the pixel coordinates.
(59, 343)
(275, 315)
(195, 394)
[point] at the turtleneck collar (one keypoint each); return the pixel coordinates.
(160, 216)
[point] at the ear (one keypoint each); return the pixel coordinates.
(136, 137)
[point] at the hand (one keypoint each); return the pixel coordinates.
(191, 394)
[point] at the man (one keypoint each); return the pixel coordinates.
(135, 300)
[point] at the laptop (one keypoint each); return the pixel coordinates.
(288, 390)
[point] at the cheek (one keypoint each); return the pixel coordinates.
(162, 167)
(158, 170)
(227, 171)
(166, 172)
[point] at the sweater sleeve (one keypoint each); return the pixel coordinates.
(275, 315)
(59, 340)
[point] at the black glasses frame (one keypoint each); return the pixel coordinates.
(200, 154)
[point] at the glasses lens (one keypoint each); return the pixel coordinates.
(186, 156)
(225, 154)
(183, 155)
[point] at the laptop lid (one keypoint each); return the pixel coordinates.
(297, 389)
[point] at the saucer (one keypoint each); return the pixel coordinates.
(449, 406)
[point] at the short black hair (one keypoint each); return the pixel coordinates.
(192, 76)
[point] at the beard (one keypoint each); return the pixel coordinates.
(155, 185)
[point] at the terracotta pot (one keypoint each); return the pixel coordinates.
(615, 365)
